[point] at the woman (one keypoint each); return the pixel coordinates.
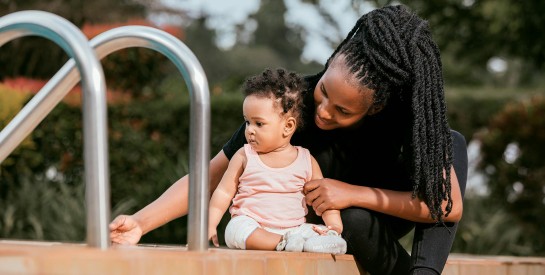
(376, 124)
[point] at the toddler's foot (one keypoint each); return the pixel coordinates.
(291, 242)
(331, 243)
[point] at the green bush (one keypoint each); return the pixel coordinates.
(148, 149)
(11, 101)
(470, 109)
(512, 159)
(487, 228)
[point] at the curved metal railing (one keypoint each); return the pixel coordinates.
(199, 140)
(70, 38)
(186, 62)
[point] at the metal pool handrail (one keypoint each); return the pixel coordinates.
(69, 38)
(199, 141)
(199, 128)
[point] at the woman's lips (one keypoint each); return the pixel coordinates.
(320, 121)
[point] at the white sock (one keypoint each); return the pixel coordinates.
(291, 241)
(330, 243)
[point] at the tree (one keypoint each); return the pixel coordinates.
(271, 44)
(474, 31)
(512, 159)
(272, 33)
(41, 58)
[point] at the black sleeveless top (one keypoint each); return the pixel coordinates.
(370, 154)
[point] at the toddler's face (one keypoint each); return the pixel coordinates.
(264, 124)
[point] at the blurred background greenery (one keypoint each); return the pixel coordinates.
(493, 59)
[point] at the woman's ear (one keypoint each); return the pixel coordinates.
(374, 109)
(289, 126)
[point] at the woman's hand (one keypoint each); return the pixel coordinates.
(125, 230)
(325, 194)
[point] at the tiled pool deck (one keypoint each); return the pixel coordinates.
(25, 257)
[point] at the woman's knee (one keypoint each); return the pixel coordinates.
(357, 221)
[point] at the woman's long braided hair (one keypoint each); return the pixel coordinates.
(391, 51)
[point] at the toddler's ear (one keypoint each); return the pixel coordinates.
(289, 126)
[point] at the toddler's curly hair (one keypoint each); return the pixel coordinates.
(284, 87)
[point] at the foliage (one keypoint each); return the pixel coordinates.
(512, 158)
(472, 32)
(272, 45)
(470, 109)
(148, 141)
(488, 229)
(11, 101)
(132, 72)
(34, 52)
(135, 71)
(29, 86)
(79, 12)
(506, 28)
(44, 209)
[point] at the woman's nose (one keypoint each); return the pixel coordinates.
(323, 112)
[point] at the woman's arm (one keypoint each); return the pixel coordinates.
(333, 194)
(170, 205)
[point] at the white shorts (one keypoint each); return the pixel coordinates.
(241, 227)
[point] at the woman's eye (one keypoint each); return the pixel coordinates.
(322, 89)
(259, 124)
(246, 122)
(343, 111)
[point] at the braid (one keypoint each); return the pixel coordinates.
(391, 51)
(284, 87)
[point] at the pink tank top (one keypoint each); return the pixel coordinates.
(273, 196)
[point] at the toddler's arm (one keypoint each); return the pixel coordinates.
(224, 193)
(332, 218)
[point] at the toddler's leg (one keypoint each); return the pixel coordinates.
(238, 231)
(243, 232)
(262, 239)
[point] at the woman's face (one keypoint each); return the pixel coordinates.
(340, 103)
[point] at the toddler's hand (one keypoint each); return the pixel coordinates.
(213, 235)
(321, 230)
(329, 230)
